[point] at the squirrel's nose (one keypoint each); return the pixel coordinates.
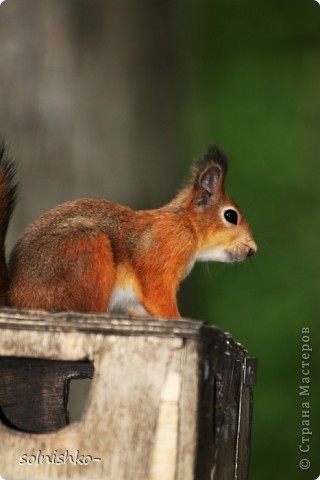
(252, 250)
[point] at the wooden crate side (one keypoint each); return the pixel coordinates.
(141, 402)
(225, 409)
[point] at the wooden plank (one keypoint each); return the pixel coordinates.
(103, 324)
(221, 389)
(245, 419)
(189, 404)
(228, 387)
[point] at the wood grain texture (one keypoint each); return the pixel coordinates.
(164, 403)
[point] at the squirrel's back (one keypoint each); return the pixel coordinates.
(65, 260)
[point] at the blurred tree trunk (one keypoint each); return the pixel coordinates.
(89, 100)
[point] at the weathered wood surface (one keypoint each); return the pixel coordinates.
(168, 400)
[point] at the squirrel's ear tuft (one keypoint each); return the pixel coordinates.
(213, 156)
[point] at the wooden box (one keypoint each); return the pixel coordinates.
(169, 400)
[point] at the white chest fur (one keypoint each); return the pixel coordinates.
(125, 300)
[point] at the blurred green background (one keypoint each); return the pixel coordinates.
(115, 98)
(254, 87)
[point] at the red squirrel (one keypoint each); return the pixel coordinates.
(93, 255)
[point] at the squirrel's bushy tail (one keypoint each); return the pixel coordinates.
(8, 192)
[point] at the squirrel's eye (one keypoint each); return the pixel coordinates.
(231, 216)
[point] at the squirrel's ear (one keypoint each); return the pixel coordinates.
(210, 172)
(209, 184)
(209, 179)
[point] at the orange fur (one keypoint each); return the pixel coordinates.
(91, 255)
